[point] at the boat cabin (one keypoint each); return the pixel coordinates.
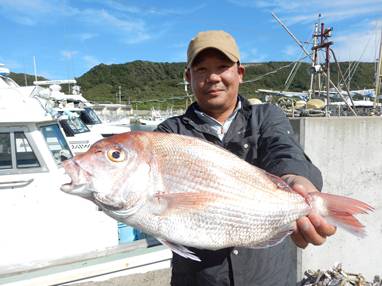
(39, 221)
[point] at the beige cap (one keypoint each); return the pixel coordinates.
(219, 40)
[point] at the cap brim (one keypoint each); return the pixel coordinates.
(230, 56)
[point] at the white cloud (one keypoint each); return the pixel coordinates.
(358, 46)
(85, 36)
(90, 61)
(333, 16)
(291, 50)
(30, 13)
(252, 56)
(27, 6)
(303, 11)
(24, 20)
(47, 74)
(355, 41)
(304, 5)
(116, 17)
(11, 63)
(249, 3)
(122, 6)
(131, 30)
(69, 54)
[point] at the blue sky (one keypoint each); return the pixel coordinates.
(69, 37)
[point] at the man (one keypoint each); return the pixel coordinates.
(259, 134)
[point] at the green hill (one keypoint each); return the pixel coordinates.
(144, 83)
(24, 79)
(160, 84)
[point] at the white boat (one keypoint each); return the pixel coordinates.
(43, 229)
(79, 136)
(155, 118)
(151, 121)
(75, 102)
(78, 120)
(38, 221)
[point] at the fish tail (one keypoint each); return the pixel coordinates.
(340, 211)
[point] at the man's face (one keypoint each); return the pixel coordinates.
(215, 81)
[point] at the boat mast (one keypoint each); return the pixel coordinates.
(34, 68)
(326, 44)
(315, 68)
(378, 76)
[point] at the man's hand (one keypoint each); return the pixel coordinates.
(312, 228)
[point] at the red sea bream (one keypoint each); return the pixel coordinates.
(190, 193)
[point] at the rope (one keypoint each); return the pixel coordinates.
(275, 71)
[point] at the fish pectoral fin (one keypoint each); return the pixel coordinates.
(276, 239)
(184, 201)
(180, 249)
(280, 183)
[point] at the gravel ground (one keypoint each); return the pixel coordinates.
(153, 278)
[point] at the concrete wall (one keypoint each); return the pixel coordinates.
(348, 151)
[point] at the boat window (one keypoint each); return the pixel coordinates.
(67, 130)
(25, 157)
(89, 116)
(7, 82)
(76, 125)
(5, 151)
(56, 142)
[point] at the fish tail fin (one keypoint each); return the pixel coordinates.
(340, 211)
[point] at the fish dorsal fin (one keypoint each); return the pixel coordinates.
(180, 250)
(280, 183)
(276, 239)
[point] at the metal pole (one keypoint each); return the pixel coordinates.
(34, 67)
(314, 61)
(119, 94)
(347, 88)
(378, 76)
(310, 56)
(291, 34)
(327, 63)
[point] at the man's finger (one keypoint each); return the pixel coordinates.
(308, 231)
(321, 226)
(299, 240)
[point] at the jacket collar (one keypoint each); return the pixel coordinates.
(192, 119)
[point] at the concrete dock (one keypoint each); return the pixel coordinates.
(348, 151)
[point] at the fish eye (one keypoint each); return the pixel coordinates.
(116, 155)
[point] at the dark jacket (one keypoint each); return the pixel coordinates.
(263, 136)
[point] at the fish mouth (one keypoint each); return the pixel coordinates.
(108, 202)
(72, 188)
(78, 184)
(76, 188)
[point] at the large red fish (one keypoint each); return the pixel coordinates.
(188, 192)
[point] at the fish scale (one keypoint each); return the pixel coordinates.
(204, 165)
(186, 191)
(231, 228)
